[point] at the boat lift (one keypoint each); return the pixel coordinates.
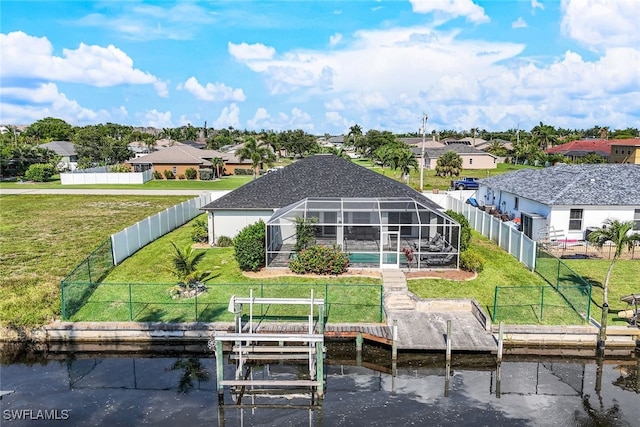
(250, 345)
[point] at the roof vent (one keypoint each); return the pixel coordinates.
(592, 180)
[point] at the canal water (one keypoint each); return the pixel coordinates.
(176, 386)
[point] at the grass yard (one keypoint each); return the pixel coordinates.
(625, 280)
(226, 183)
(43, 237)
(515, 306)
(150, 299)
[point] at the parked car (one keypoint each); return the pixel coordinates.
(466, 184)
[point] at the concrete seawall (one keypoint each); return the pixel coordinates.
(515, 336)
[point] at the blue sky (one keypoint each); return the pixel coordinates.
(322, 66)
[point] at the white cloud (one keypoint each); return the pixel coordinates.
(334, 39)
(535, 4)
(244, 51)
(452, 9)
(261, 120)
(599, 24)
(334, 104)
(212, 91)
(43, 100)
(158, 119)
(519, 23)
(29, 57)
(229, 116)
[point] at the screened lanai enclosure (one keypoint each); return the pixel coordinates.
(374, 232)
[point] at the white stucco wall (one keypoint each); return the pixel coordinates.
(230, 223)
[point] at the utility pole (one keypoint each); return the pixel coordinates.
(424, 130)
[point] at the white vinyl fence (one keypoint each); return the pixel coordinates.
(102, 176)
(126, 242)
(503, 234)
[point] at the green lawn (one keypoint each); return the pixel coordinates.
(150, 299)
(43, 237)
(225, 183)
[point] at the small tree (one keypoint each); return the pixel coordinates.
(185, 266)
(619, 233)
(249, 247)
(40, 172)
(305, 232)
(191, 173)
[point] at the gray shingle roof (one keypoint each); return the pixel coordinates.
(320, 175)
(588, 184)
(61, 148)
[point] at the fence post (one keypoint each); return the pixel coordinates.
(541, 303)
(196, 303)
(381, 303)
(589, 308)
(89, 268)
(64, 308)
(130, 305)
(495, 304)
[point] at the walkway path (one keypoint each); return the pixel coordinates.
(422, 324)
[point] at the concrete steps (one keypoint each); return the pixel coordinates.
(394, 301)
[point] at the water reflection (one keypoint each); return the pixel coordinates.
(168, 385)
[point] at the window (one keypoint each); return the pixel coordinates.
(174, 170)
(575, 219)
(516, 203)
(470, 161)
(636, 219)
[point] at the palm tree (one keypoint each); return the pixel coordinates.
(545, 135)
(449, 164)
(405, 161)
(355, 133)
(185, 266)
(258, 154)
(619, 233)
(218, 164)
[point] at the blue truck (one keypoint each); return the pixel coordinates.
(465, 184)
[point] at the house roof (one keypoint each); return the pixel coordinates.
(61, 148)
(320, 175)
(184, 154)
(461, 149)
(584, 146)
(632, 142)
(585, 184)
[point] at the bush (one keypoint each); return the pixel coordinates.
(320, 260)
(182, 176)
(243, 171)
(465, 229)
(199, 231)
(119, 168)
(157, 175)
(206, 174)
(191, 173)
(471, 261)
(249, 247)
(40, 172)
(168, 174)
(225, 241)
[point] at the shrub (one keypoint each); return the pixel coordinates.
(206, 174)
(465, 229)
(199, 231)
(225, 241)
(40, 172)
(168, 174)
(249, 247)
(471, 261)
(182, 176)
(320, 260)
(191, 173)
(243, 171)
(119, 168)
(157, 175)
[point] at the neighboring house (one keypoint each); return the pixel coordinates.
(565, 201)
(576, 150)
(178, 158)
(67, 151)
(625, 151)
(372, 217)
(472, 158)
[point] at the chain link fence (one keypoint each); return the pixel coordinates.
(161, 302)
